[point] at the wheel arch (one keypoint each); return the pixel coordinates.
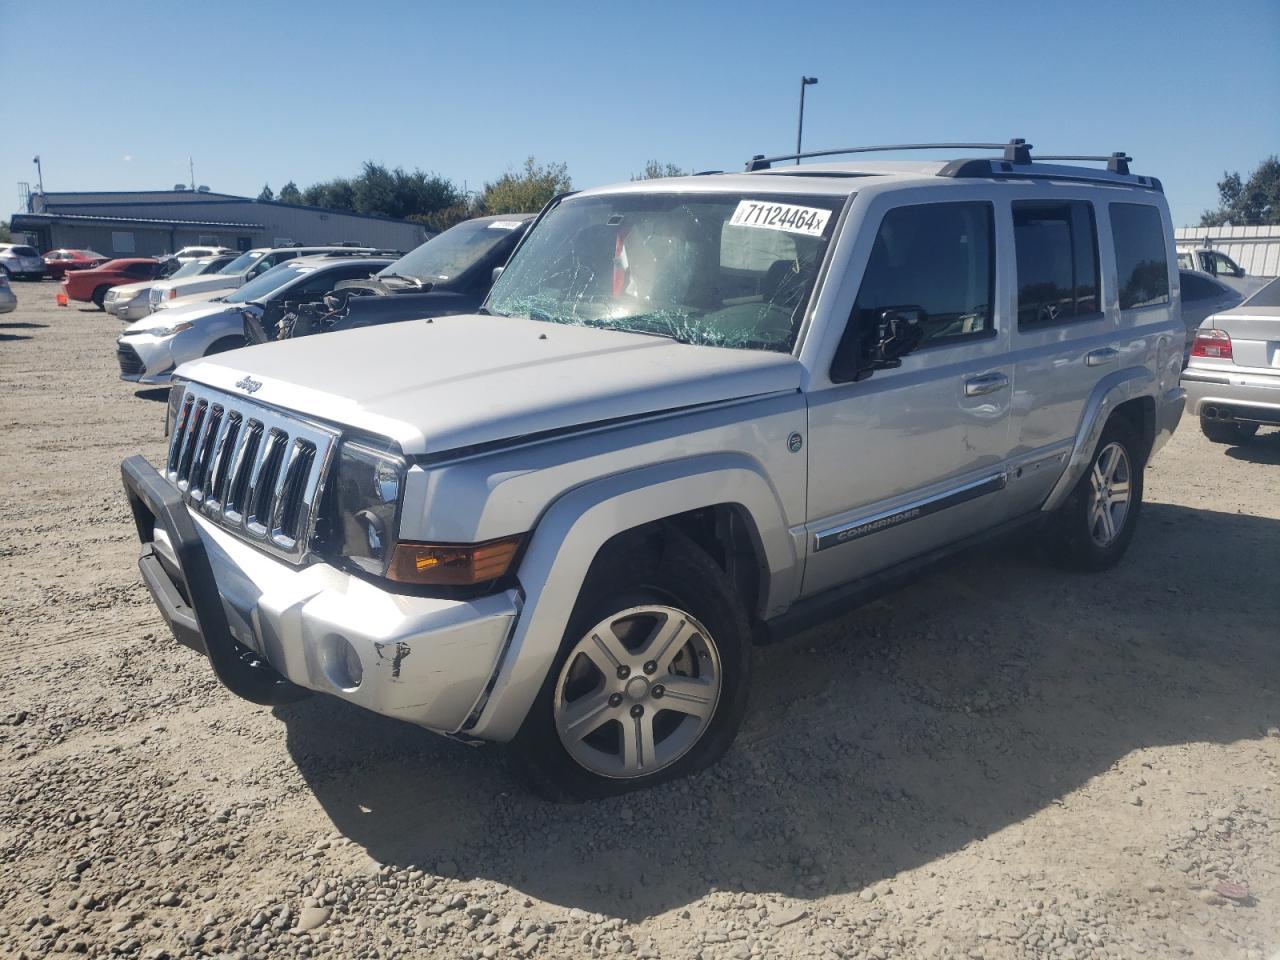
(1128, 393)
(700, 497)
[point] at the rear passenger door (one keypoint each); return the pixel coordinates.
(1062, 341)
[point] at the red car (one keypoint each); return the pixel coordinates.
(93, 283)
(58, 262)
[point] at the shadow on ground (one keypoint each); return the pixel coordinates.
(873, 744)
(23, 326)
(1264, 448)
(160, 394)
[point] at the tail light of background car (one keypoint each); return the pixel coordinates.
(1213, 344)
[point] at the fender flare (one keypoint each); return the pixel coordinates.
(571, 532)
(1109, 393)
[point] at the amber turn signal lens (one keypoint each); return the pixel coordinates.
(452, 564)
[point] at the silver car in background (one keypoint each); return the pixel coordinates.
(1233, 377)
(1203, 296)
(8, 299)
(20, 262)
(131, 302)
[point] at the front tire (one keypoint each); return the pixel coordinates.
(1227, 431)
(100, 297)
(1092, 530)
(651, 680)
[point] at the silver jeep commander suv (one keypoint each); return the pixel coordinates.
(692, 413)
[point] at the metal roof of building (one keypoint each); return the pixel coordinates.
(35, 219)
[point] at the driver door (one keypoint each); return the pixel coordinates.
(906, 459)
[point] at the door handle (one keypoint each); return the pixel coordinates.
(1096, 358)
(986, 383)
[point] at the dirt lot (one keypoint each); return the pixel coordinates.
(1004, 761)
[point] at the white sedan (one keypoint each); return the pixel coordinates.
(149, 350)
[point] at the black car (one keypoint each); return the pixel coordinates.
(450, 273)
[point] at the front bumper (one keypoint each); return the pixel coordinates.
(145, 359)
(132, 310)
(272, 630)
(1252, 397)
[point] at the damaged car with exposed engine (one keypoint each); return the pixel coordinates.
(692, 415)
(451, 273)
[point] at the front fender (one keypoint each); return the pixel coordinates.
(571, 533)
(1108, 393)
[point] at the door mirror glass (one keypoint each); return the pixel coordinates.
(895, 337)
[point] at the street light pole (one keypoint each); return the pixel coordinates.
(39, 172)
(804, 82)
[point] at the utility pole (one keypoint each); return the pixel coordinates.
(804, 82)
(39, 173)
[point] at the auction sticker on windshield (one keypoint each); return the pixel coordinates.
(810, 221)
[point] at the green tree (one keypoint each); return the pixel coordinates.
(654, 170)
(290, 193)
(267, 193)
(4, 232)
(1255, 202)
(528, 191)
(335, 194)
(447, 217)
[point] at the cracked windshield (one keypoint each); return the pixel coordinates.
(727, 270)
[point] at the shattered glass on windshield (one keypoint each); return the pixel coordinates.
(726, 270)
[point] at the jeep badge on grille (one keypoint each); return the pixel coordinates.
(249, 385)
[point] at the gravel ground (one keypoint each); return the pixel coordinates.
(1004, 761)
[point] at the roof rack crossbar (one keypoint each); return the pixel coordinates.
(1016, 150)
(1117, 162)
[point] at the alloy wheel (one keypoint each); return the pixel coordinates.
(637, 691)
(1111, 484)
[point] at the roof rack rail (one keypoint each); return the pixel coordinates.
(1117, 162)
(1016, 150)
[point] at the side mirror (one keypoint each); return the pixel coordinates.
(497, 272)
(1239, 272)
(896, 336)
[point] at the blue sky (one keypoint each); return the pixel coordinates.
(117, 96)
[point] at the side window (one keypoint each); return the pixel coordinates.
(1056, 244)
(319, 284)
(932, 264)
(1225, 264)
(1142, 266)
(1198, 288)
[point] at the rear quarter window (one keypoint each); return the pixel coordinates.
(1199, 288)
(1142, 264)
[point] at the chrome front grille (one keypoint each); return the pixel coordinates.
(252, 470)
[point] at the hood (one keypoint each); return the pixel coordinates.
(198, 298)
(464, 380)
(133, 289)
(207, 281)
(192, 312)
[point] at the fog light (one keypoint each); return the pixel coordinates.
(341, 663)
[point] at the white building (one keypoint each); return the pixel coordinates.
(1257, 249)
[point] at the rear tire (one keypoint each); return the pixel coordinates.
(1227, 431)
(620, 696)
(1092, 530)
(100, 297)
(225, 344)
